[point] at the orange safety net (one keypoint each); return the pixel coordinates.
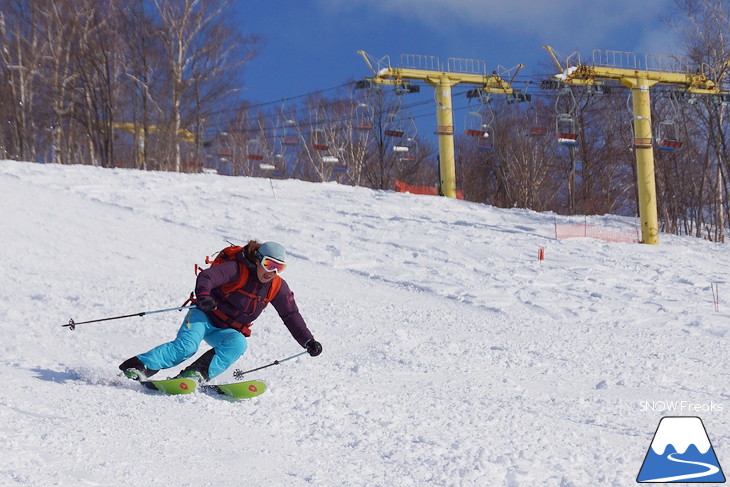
(587, 231)
(402, 187)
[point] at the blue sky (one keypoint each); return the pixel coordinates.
(311, 45)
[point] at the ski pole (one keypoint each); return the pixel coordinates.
(238, 373)
(72, 324)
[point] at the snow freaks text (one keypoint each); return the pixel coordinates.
(680, 406)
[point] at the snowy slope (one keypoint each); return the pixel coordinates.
(452, 356)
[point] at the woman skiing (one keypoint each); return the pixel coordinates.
(231, 294)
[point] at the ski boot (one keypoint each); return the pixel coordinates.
(134, 369)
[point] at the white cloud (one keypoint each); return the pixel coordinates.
(565, 24)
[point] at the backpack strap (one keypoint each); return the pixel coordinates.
(238, 283)
(245, 328)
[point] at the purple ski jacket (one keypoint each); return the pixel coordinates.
(245, 309)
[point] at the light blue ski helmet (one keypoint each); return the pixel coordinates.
(273, 250)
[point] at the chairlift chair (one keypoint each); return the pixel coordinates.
(474, 125)
(319, 141)
(478, 122)
(363, 117)
(486, 142)
(290, 137)
(668, 135)
(393, 124)
(565, 130)
(337, 164)
(254, 150)
(407, 146)
(407, 149)
(537, 128)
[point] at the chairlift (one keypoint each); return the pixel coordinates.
(338, 165)
(393, 126)
(565, 126)
(406, 150)
(319, 140)
(478, 121)
(537, 127)
(474, 125)
(407, 146)
(486, 142)
(565, 129)
(290, 135)
(221, 145)
(254, 150)
(668, 135)
(363, 117)
(667, 132)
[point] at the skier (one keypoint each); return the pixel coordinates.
(230, 296)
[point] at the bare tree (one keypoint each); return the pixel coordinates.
(705, 25)
(21, 56)
(202, 54)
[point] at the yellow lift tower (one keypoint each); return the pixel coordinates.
(624, 66)
(431, 70)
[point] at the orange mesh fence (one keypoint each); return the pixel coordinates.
(575, 230)
(402, 187)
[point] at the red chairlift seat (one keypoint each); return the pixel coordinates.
(567, 138)
(668, 135)
(669, 144)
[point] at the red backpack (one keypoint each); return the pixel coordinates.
(228, 254)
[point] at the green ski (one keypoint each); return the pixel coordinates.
(235, 390)
(238, 390)
(181, 385)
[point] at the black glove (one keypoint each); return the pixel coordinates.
(206, 303)
(313, 347)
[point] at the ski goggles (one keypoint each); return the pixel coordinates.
(272, 265)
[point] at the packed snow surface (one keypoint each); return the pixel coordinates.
(452, 355)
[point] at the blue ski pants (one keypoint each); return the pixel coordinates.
(229, 345)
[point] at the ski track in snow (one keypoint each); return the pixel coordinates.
(452, 356)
